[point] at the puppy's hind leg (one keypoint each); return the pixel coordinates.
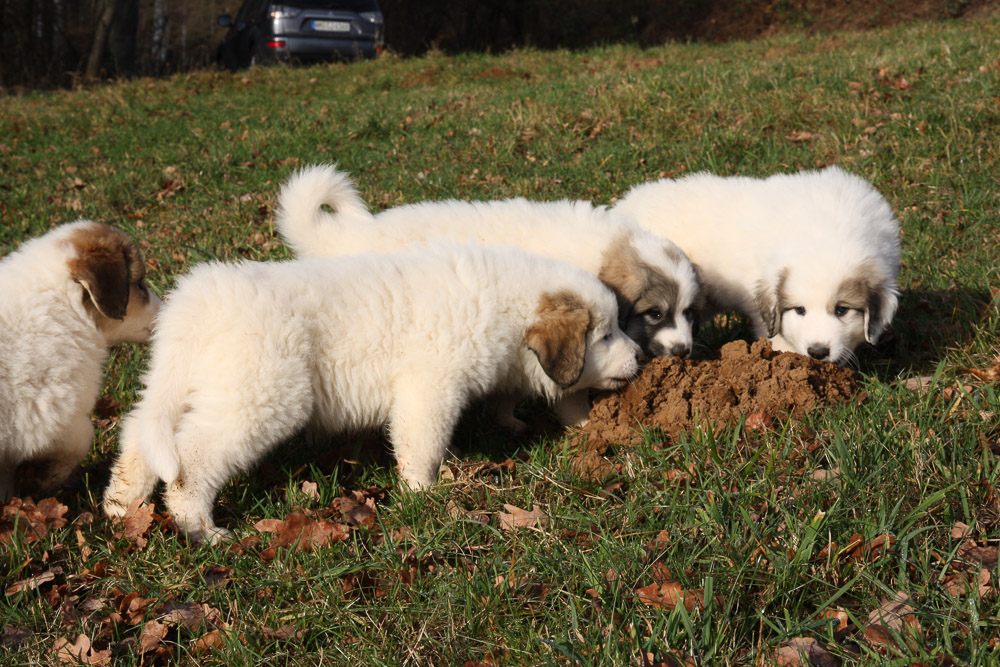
(421, 423)
(131, 478)
(216, 441)
(190, 498)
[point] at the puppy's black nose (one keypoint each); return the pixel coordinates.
(680, 350)
(818, 351)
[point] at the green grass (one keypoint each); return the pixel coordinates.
(191, 165)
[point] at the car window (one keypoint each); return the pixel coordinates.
(252, 10)
(350, 5)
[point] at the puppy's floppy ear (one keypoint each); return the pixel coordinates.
(767, 297)
(624, 274)
(558, 337)
(867, 288)
(101, 267)
(879, 310)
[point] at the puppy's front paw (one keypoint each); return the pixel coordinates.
(215, 535)
(418, 479)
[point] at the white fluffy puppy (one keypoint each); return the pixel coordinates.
(246, 355)
(65, 297)
(656, 285)
(810, 257)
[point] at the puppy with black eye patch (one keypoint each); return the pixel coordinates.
(321, 215)
(65, 298)
(246, 355)
(810, 258)
(652, 302)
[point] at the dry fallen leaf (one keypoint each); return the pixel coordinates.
(960, 531)
(667, 596)
(284, 632)
(168, 187)
(80, 652)
(137, 520)
(132, 607)
(519, 518)
(971, 552)
(895, 613)
(918, 383)
(758, 421)
(804, 651)
(661, 573)
(800, 135)
(356, 509)
(989, 375)
(151, 636)
(879, 638)
(311, 491)
(33, 521)
(207, 642)
(840, 614)
(957, 584)
(306, 533)
(821, 474)
(31, 583)
(191, 615)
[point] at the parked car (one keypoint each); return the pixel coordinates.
(301, 30)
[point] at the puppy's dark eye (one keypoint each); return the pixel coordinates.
(799, 310)
(688, 314)
(654, 315)
(607, 337)
(840, 311)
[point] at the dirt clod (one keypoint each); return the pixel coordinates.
(749, 381)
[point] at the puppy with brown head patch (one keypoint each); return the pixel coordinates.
(246, 355)
(811, 258)
(65, 298)
(656, 285)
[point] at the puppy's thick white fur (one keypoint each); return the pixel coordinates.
(811, 257)
(65, 297)
(656, 284)
(246, 355)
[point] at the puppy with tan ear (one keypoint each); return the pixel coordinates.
(65, 298)
(246, 355)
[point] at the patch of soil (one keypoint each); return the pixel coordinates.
(677, 395)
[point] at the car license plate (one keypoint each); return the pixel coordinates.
(331, 26)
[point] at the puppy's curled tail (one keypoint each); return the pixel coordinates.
(301, 220)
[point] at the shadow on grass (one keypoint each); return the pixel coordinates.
(930, 324)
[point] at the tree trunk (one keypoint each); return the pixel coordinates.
(100, 39)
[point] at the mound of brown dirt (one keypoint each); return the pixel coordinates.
(750, 381)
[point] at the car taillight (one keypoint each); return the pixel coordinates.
(276, 44)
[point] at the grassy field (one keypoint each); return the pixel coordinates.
(766, 547)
